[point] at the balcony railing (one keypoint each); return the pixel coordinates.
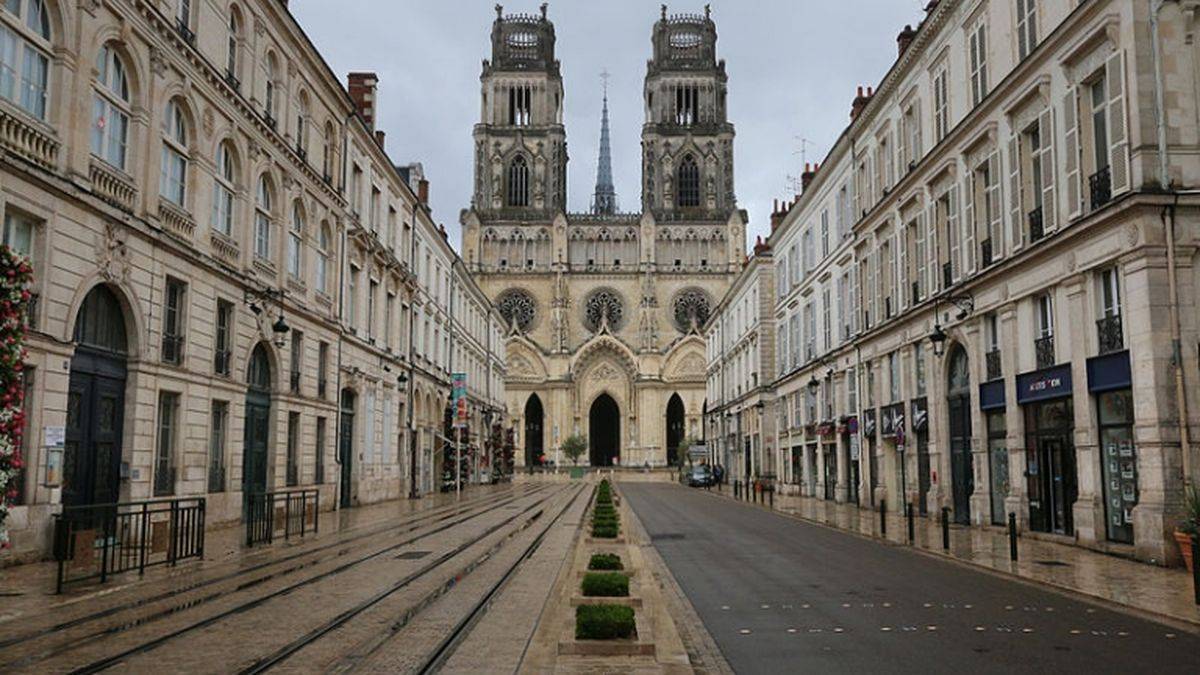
(916, 292)
(222, 361)
(1110, 334)
(172, 349)
(947, 275)
(993, 365)
(232, 80)
(112, 186)
(175, 220)
(1044, 348)
(986, 252)
(1036, 227)
(27, 140)
(295, 381)
(1100, 186)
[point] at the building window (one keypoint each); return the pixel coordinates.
(389, 313)
(324, 251)
(25, 46)
(1044, 344)
(977, 61)
(218, 429)
(373, 209)
(302, 126)
(174, 305)
(520, 105)
(296, 243)
(688, 183)
(372, 292)
(894, 376)
(262, 219)
(941, 105)
(269, 99)
(173, 179)
(992, 335)
(319, 478)
(919, 368)
(687, 103)
(1027, 32)
(518, 182)
(293, 450)
(110, 109)
(322, 369)
(352, 299)
(222, 357)
(164, 455)
(223, 189)
(231, 40)
(1109, 329)
(18, 233)
(1119, 462)
(297, 360)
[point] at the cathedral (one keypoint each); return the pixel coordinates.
(604, 309)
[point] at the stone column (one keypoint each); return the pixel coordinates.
(1018, 490)
(1074, 344)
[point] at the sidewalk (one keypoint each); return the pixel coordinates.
(1157, 591)
(29, 588)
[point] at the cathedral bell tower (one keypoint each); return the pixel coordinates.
(687, 140)
(520, 141)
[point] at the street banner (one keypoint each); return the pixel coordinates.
(459, 396)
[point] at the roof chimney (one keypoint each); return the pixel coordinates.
(860, 102)
(423, 191)
(761, 247)
(776, 216)
(905, 39)
(362, 92)
(807, 177)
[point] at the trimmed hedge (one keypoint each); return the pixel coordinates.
(605, 561)
(605, 585)
(604, 531)
(604, 622)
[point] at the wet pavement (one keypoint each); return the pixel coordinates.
(779, 594)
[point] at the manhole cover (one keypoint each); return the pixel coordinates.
(1052, 563)
(412, 555)
(667, 536)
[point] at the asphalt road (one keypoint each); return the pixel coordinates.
(781, 595)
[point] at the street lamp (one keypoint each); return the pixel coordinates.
(938, 338)
(280, 330)
(813, 385)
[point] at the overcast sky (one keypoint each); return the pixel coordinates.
(793, 68)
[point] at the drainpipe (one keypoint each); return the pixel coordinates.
(1168, 219)
(342, 257)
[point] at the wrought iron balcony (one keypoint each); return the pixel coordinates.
(947, 275)
(222, 361)
(1036, 225)
(295, 381)
(993, 365)
(1100, 186)
(1044, 348)
(172, 349)
(986, 253)
(232, 80)
(887, 307)
(184, 31)
(1110, 334)
(916, 292)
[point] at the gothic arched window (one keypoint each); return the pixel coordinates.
(688, 192)
(518, 182)
(518, 309)
(603, 307)
(691, 309)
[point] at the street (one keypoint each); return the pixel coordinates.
(781, 595)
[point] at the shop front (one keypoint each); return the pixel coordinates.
(992, 402)
(1046, 396)
(920, 430)
(848, 429)
(810, 472)
(872, 456)
(891, 428)
(1110, 381)
(826, 431)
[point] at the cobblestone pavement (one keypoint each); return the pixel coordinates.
(782, 595)
(388, 595)
(1162, 592)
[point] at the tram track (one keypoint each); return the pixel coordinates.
(441, 520)
(250, 605)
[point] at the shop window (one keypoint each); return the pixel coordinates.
(1119, 457)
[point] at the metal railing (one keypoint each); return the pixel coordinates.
(172, 349)
(1044, 347)
(95, 542)
(1100, 186)
(986, 252)
(1037, 228)
(289, 512)
(222, 362)
(1110, 334)
(993, 365)
(947, 275)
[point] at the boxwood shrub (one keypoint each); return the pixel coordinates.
(605, 585)
(605, 561)
(604, 622)
(604, 531)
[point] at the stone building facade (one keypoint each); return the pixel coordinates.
(236, 289)
(603, 310)
(999, 255)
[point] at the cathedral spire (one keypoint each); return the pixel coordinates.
(604, 201)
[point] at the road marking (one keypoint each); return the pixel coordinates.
(886, 629)
(791, 630)
(744, 631)
(839, 630)
(979, 629)
(765, 607)
(931, 628)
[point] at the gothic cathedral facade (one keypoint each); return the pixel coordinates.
(604, 309)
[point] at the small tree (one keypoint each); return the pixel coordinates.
(574, 447)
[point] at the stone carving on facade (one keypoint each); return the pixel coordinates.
(518, 308)
(519, 366)
(604, 311)
(690, 367)
(691, 310)
(112, 254)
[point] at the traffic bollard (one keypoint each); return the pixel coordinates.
(1012, 537)
(883, 518)
(911, 531)
(945, 528)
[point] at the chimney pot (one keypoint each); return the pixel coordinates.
(362, 89)
(423, 191)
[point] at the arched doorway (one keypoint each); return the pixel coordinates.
(258, 423)
(958, 399)
(96, 402)
(346, 447)
(534, 431)
(604, 431)
(675, 429)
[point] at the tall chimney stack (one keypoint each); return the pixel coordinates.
(423, 191)
(905, 39)
(363, 92)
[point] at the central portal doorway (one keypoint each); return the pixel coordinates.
(675, 430)
(604, 432)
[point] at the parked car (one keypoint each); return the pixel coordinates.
(701, 476)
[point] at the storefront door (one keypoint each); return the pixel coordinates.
(998, 464)
(830, 470)
(962, 472)
(1051, 466)
(923, 477)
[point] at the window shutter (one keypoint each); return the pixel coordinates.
(931, 249)
(1022, 21)
(968, 224)
(952, 225)
(1049, 203)
(1118, 126)
(1071, 131)
(903, 294)
(1016, 219)
(922, 258)
(855, 307)
(918, 153)
(995, 207)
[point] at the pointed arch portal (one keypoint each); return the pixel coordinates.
(534, 431)
(675, 430)
(604, 437)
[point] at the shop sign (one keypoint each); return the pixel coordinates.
(869, 422)
(826, 429)
(920, 414)
(1109, 372)
(1045, 384)
(992, 396)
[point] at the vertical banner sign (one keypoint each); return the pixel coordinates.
(460, 399)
